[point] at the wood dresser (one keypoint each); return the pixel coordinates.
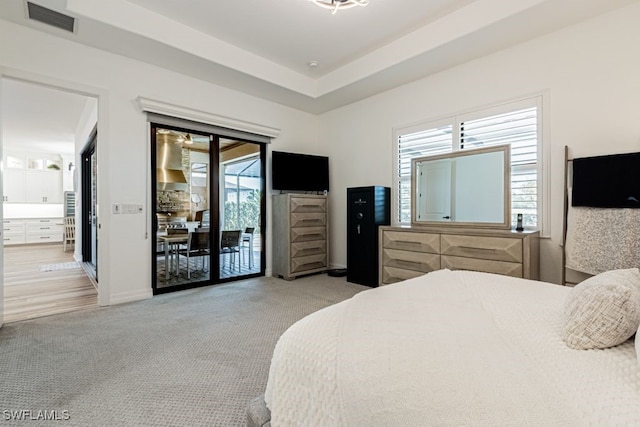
(300, 234)
(407, 252)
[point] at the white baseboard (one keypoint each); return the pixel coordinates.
(130, 296)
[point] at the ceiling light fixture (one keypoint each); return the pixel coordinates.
(335, 5)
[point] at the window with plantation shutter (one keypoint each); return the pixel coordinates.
(422, 143)
(516, 124)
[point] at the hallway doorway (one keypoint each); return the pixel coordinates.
(42, 128)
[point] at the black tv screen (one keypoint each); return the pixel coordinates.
(607, 181)
(299, 172)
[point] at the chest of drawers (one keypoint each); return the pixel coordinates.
(300, 234)
(410, 252)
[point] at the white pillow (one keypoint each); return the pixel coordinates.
(604, 310)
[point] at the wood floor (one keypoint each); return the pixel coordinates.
(41, 280)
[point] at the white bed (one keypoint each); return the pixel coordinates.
(449, 348)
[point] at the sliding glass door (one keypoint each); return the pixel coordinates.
(208, 208)
(241, 191)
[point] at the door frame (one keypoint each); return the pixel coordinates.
(102, 97)
(86, 177)
(214, 208)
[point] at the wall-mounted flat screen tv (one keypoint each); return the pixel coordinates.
(299, 172)
(607, 181)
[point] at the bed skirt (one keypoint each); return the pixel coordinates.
(258, 415)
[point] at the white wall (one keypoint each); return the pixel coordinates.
(591, 73)
(125, 252)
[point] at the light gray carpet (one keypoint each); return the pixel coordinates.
(191, 358)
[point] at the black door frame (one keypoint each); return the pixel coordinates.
(86, 177)
(214, 194)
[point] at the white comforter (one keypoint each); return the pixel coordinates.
(451, 348)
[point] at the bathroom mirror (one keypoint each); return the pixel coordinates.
(468, 187)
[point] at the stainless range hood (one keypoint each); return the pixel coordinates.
(169, 172)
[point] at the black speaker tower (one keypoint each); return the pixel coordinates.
(367, 208)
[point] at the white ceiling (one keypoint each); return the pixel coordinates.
(38, 118)
(263, 47)
(293, 32)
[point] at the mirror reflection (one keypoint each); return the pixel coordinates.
(469, 187)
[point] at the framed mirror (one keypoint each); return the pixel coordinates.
(463, 188)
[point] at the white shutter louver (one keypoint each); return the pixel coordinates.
(516, 124)
(519, 129)
(418, 144)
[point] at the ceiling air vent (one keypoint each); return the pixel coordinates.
(50, 17)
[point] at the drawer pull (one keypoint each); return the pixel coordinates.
(45, 228)
(310, 251)
(310, 265)
(474, 248)
(406, 242)
(45, 237)
(409, 263)
(314, 236)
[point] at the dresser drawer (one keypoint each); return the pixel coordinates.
(308, 204)
(44, 237)
(313, 247)
(393, 275)
(407, 241)
(416, 261)
(47, 228)
(309, 219)
(15, 227)
(13, 239)
(484, 265)
(486, 248)
(305, 234)
(307, 263)
(49, 221)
